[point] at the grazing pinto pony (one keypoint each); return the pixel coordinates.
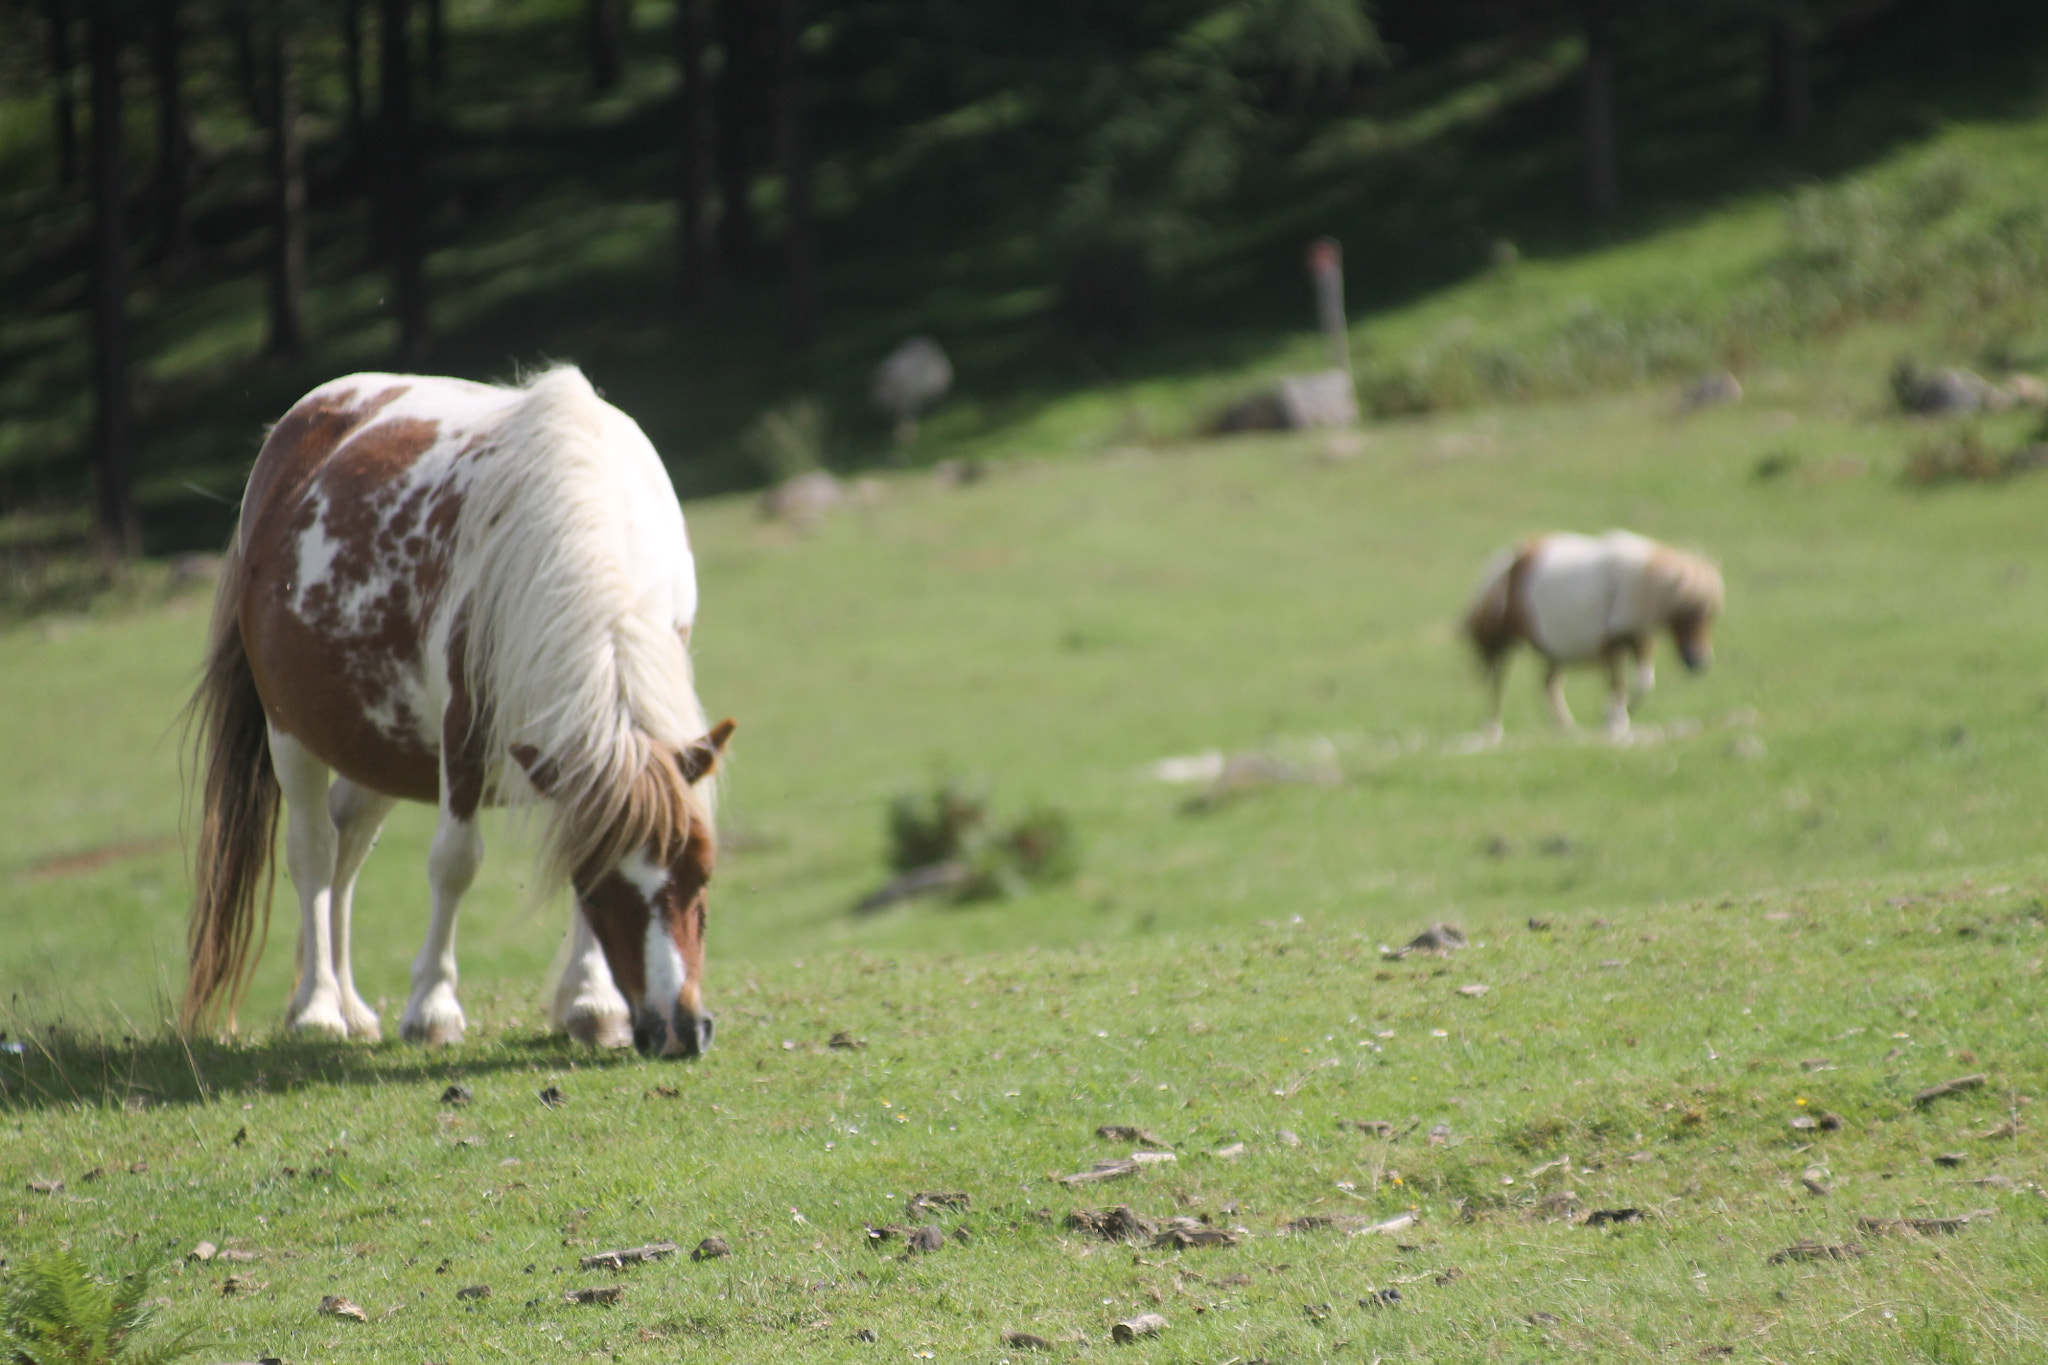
(468, 595)
(1576, 599)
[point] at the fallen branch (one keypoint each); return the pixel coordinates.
(1113, 1169)
(619, 1260)
(935, 880)
(1954, 1087)
(1924, 1226)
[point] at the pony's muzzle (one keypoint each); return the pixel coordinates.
(689, 1035)
(683, 1034)
(1698, 658)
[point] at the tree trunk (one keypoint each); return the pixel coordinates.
(696, 249)
(352, 69)
(287, 193)
(399, 186)
(1789, 98)
(437, 43)
(173, 132)
(607, 43)
(248, 76)
(1603, 186)
(793, 152)
(740, 81)
(114, 523)
(63, 102)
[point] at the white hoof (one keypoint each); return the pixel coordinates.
(363, 1023)
(318, 1021)
(598, 1027)
(436, 1021)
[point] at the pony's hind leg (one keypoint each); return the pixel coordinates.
(1496, 685)
(310, 846)
(432, 1014)
(588, 1006)
(358, 813)
(1553, 688)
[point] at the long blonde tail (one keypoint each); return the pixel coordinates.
(234, 874)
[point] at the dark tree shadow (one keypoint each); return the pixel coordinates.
(550, 237)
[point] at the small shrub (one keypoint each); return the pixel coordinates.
(60, 1313)
(949, 825)
(1957, 456)
(925, 829)
(1774, 464)
(788, 441)
(1043, 846)
(1039, 850)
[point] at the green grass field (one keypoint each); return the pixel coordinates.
(1815, 885)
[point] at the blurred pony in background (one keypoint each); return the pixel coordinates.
(1579, 599)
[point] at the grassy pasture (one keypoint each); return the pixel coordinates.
(1827, 851)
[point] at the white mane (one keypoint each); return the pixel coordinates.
(572, 650)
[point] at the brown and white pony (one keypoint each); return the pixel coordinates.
(1576, 599)
(469, 595)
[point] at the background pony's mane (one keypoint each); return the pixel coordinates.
(567, 650)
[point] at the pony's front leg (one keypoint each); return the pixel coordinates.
(1646, 668)
(1617, 692)
(432, 1015)
(588, 1006)
(310, 843)
(358, 813)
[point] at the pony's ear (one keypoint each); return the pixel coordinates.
(700, 757)
(539, 771)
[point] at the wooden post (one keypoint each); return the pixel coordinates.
(1326, 270)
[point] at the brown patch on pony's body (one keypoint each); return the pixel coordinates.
(465, 730)
(326, 672)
